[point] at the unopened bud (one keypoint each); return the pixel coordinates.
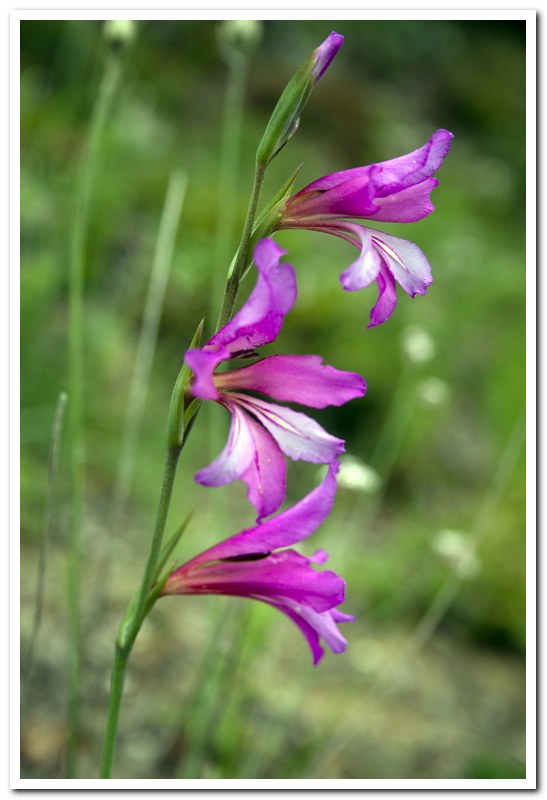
(286, 115)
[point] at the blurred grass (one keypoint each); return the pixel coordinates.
(391, 85)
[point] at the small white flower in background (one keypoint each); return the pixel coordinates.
(458, 550)
(418, 346)
(357, 476)
(120, 32)
(433, 392)
(239, 35)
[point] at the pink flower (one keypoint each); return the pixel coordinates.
(250, 564)
(262, 431)
(392, 191)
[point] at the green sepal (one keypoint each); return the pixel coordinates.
(286, 115)
(176, 419)
(273, 211)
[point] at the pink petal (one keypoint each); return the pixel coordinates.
(345, 194)
(387, 298)
(266, 474)
(285, 529)
(286, 575)
(203, 363)
(407, 205)
(259, 321)
(236, 457)
(298, 436)
(296, 379)
(406, 262)
(408, 170)
(315, 625)
(366, 268)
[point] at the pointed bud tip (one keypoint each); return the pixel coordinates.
(325, 53)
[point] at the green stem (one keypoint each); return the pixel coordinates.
(241, 261)
(142, 601)
(137, 612)
(76, 298)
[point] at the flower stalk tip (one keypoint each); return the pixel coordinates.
(285, 118)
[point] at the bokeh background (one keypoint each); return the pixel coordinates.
(428, 526)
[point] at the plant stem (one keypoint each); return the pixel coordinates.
(88, 171)
(241, 261)
(137, 611)
(139, 606)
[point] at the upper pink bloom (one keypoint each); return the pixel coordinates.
(391, 191)
(262, 431)
(250, 564)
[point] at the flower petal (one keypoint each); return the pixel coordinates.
(387, 298)
(346, 194)
(408, 170)
(407, 205)
(259, 321)
(406, 262)
(285, 529)
(315, 625)
(236, 457)
(296, 379)
(284, 575)
(366, 268)
(203, 363)
(298, 436)
(266, 474)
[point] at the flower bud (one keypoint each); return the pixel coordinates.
(119, 33)
(286, 115)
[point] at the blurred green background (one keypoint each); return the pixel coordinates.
(432, 683)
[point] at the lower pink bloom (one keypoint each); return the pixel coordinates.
(250, 564)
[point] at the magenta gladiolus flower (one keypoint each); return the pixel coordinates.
(392, 191)
(250, 564)
(262, 431)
